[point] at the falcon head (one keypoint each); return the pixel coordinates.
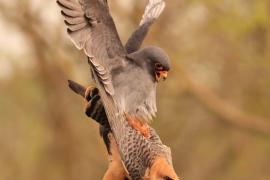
(154, 59)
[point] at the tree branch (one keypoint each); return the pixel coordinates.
(230, 114)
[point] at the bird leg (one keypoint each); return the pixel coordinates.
(139, 125)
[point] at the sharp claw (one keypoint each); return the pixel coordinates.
(87, 109)
(90, 108)
(87, 94)
(94, 92)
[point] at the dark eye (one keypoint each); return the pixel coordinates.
(159, 66)
(167, 178)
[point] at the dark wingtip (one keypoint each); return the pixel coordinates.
(77, 88)
(60, 4)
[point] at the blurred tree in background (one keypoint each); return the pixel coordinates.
(214, 110)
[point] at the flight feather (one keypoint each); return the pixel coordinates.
(91, 28)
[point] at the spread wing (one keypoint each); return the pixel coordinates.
(91, 28)
(152, 11)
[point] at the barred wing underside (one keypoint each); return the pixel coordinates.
(91, 28)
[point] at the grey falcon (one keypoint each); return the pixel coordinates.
(128, 75)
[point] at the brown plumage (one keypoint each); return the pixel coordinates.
(158, 162)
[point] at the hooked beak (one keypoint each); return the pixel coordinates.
(161, 75)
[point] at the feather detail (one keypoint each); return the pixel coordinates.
(75, 27)
(152, 11)
(91, 28)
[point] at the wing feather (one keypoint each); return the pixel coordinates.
(73, 13)
(74, 20)
(75, 27)
(152, 11)
(68, 4)
(91, 28)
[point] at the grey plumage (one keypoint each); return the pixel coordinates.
(152, 11)
(135, 41)
(149, 56)
(91, 28)
(135, 84)
(132, 87)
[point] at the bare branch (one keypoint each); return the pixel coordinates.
(226, 110)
